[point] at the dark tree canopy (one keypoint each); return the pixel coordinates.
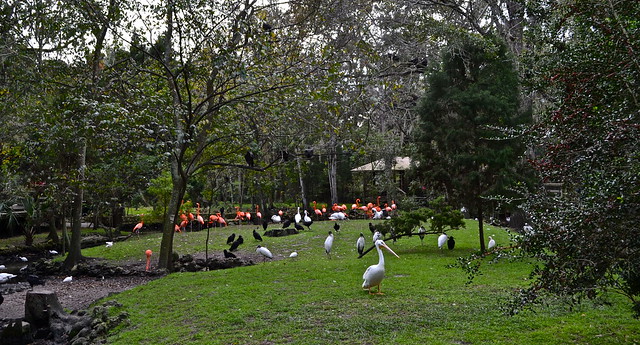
(464, 149)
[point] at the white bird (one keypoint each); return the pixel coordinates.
(492, 242)
(3, 267)
(528, 229)
(67, 279)
(377, 214)
(338, 216)
(109, 244)
(23, 259)
(298, 216)
(293, 255)
(53, 252)
(328, 243)
(376, 236)
(360, 244)
(442, 239)
(421, 232)
(306, 218)
(264, 251)
(276, 218)
(5, 277)
(375, 273)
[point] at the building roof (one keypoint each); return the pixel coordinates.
(401, 163)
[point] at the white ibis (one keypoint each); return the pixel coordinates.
(298, 216)
(421, 232)
(53, 252)
(264, 252)
(492, 243)
(23, 259)
(375, 273)
(328, 243)
(276, 218)
(67, 279)
(338, 216)
(360, 244)
(109, 244)
(293, 255)
(442, 239)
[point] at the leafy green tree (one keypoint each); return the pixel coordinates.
(464, 148)
(586, 238)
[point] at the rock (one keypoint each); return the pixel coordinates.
(17, 332)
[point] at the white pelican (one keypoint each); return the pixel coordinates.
(5, 277)
(376, 236)
(492, 242)
(328, 243)
(375, 273)
(442, 239)
(264, 251)
(421, 233)
(298, 216)
(360, 244)
(67, 279)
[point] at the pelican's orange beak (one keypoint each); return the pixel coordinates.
(391, 250)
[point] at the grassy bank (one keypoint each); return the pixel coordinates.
(316, 300)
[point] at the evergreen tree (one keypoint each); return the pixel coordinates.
(464, 148)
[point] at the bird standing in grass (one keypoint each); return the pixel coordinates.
(109, 244)
(421, 232)
(264, 252)
(372, 228)
(328, 243)
(360, 244)
(377, 236)
(228, 254)
(336, 227)
(257, 236)
(307, 221)
(374, 274)
(451, 243)
(492, 243)
(231, 238)
(298, 226)
(286, 223)
(442, 239)
(298, 216)
(67, 279)
(293, 255)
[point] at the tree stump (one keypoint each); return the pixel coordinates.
(40, 306)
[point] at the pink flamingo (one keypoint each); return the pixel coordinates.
(148, 253)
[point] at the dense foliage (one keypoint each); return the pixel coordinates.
(587, 238)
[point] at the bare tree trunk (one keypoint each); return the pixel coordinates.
(481, 226)
(333, 170)
(75, 254)
(303, 192)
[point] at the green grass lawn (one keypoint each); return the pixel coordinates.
(316, 300)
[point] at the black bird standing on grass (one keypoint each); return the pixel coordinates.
(231, 238)
(236, 243)
(240, 239)
(336, 227)
(265, 223)
(257, 236)
(451, 243)
(229, 255)
(298, 227)
(286, 223)
(372, 228)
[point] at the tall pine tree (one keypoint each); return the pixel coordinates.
(464, 148)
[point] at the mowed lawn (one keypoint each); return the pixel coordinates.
(313, 299)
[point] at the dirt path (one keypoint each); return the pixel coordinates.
(76, 295)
